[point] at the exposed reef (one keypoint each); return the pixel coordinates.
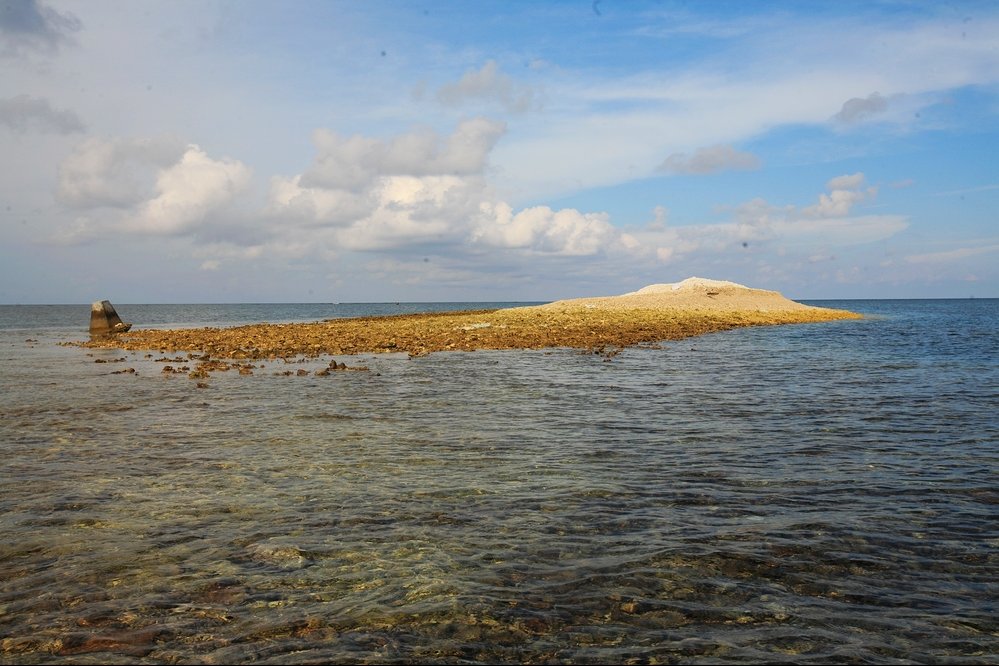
(658, 312)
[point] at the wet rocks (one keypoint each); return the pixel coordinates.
(335, 366)
(275, 553)
(134, 643)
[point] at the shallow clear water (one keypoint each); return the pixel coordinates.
(815, 493)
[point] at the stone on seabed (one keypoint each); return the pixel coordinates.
(104, 320)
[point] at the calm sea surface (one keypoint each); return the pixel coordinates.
(796, 494)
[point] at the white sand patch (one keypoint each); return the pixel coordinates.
(688, 284)
(692, 294)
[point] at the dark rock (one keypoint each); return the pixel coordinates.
(105, 321)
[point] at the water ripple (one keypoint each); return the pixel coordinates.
(816, 493)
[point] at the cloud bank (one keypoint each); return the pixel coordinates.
(411, 196)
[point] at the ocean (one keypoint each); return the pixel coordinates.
(809, 493)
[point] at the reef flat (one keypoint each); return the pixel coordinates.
(656, 313)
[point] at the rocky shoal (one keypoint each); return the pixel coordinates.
(576, 324)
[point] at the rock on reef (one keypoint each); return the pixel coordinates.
(104, 320)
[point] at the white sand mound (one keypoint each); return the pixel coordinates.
(688, 284)
(694, 293)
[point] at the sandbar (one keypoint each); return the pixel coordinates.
(656, 313)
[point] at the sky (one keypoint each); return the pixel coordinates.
(217, 151)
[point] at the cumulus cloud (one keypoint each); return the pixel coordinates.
(321, 206)
(393, 206)
(422, 189)
(488, 85)
(844, 192)
(188, 190)
(156, 185)
(24, 112)
(711, 159)
(846, 181)
(825, 224)
(350, 163)
(540, 229)
(114, 172)
(396, 207)
(413, 211)
(829, 220)
(859, 109)
(660, 215)
(29, 25)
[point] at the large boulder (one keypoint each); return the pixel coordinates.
(104, 320)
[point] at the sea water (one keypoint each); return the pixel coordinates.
(803, 494)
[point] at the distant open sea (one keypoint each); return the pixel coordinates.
(795, 494)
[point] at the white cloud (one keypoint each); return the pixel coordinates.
(412, 211)
(543, 230)
(835, 204)
(24, 112)
(350, 163)
(814, 229)
(158, 185)
(490, 85)
(188, 191)
(846, 182)
(421, 188)
(660, 216)
(323, 206)
(844, 193)
(393, 214)
(829, 220)
(117, 173)
(711, 159)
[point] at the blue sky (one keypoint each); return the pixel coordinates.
(253, 151)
